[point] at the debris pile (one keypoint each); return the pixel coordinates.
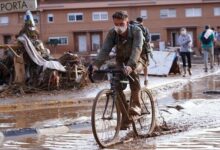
(28, 66)
(75, 70)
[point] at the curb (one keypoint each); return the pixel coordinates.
(53, 130)
(19, 132)
(33, 131)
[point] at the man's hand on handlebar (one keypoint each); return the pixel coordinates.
(95, 68)
(127, 70)
(91, 70)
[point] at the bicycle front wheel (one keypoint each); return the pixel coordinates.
(105, 118)
(145, 125)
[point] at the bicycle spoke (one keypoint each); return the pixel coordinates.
(143, 102)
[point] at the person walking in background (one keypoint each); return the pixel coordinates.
(207, 40)
(146, 47)
(185, 42)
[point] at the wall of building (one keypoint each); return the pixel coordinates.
(167, 28)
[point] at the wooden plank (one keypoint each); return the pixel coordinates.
(4, 47)
(19, 70)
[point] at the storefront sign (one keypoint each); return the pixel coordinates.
(17, 5)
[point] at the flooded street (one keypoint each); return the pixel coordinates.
(44, 117)
(199, 118)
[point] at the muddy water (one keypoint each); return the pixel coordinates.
(200, 115)
(45, 117)
(196, 89)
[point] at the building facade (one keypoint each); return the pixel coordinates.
(82, 26)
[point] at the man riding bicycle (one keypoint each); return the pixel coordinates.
(128, 40)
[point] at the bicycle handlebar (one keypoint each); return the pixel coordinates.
(112, 71)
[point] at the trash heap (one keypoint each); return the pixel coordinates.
(29, 67)
(75, 74)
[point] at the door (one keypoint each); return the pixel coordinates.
(191, 34)
(95, 42)
(174, 39)
(82, 43)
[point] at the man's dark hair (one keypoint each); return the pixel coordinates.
(207, 27)
(120, 15)
(133, 22)
(139, 19)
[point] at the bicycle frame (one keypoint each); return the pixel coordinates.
(106, 105)
(115, 96)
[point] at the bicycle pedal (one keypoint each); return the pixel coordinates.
(128, 140)
(145, 113)
(134, 118)
(127, 82)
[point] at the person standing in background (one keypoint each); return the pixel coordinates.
(207, 40)
(185, 42)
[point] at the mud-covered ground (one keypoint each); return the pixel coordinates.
(198, 121)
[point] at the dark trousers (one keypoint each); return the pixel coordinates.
(186, 55)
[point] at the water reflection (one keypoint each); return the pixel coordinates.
(32, 118)
(185, 93)
(195, 89)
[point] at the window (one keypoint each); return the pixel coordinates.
(155, 37)
(99, 16)
(74, 17)
(144, 14)
(59, 40)
(36, 19)
(193, 12)
(217, 11)
(50, 18)
(7, 39)
(167, 13)
(4, 20)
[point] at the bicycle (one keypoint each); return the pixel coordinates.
(106, 115)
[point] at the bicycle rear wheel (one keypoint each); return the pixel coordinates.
(105, 118)
(145, 125)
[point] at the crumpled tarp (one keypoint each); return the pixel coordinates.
(36, 57)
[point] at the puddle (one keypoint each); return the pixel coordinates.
(43, 117)
(196, 89)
